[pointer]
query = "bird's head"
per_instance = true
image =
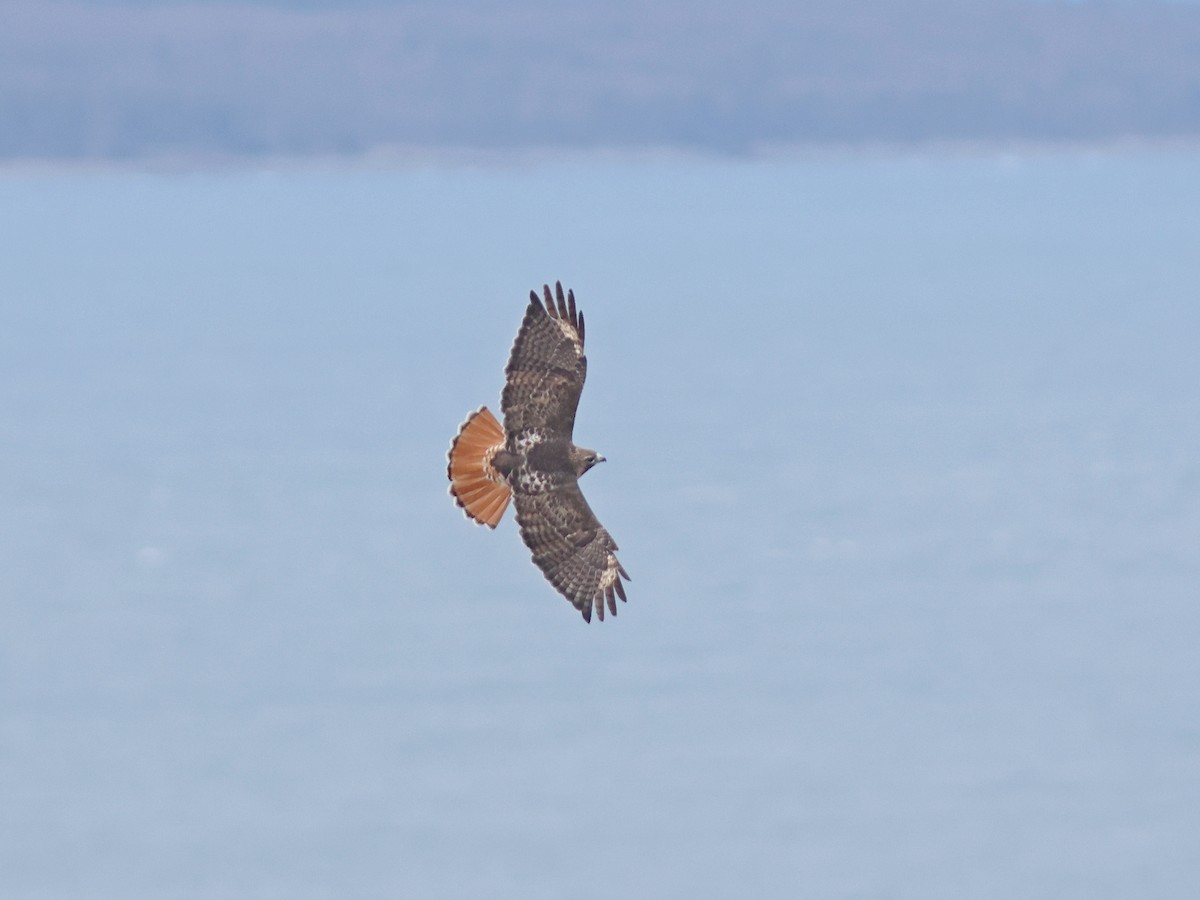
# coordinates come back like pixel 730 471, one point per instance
pixel 584 459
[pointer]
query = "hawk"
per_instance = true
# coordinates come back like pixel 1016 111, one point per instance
pixel 533 460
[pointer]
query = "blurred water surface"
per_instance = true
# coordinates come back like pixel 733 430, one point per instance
pixel 902 460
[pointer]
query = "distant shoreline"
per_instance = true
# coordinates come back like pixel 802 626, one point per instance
pixel 418 158
pixel 189 85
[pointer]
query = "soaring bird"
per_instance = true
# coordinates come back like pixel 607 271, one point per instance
pixel 533 460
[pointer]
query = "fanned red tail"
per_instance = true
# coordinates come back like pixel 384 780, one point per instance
pixel 475 484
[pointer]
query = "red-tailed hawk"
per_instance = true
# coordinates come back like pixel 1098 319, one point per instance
pixel 533 459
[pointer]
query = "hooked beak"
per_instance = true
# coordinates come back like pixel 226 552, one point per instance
pixel 600 458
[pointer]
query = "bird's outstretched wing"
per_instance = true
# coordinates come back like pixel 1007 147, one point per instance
pixel 574 551
pixel 547 368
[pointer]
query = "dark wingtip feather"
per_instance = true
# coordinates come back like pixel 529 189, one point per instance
pixel 620 590
pixel 562 303
pixel 549 301
pixel 579 328
pixel 571 309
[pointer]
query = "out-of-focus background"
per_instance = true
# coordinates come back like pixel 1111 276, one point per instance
pixel 163 80
pixel 892 316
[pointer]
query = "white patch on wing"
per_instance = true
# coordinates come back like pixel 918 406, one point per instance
pixel 572 335
pixel 609 577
